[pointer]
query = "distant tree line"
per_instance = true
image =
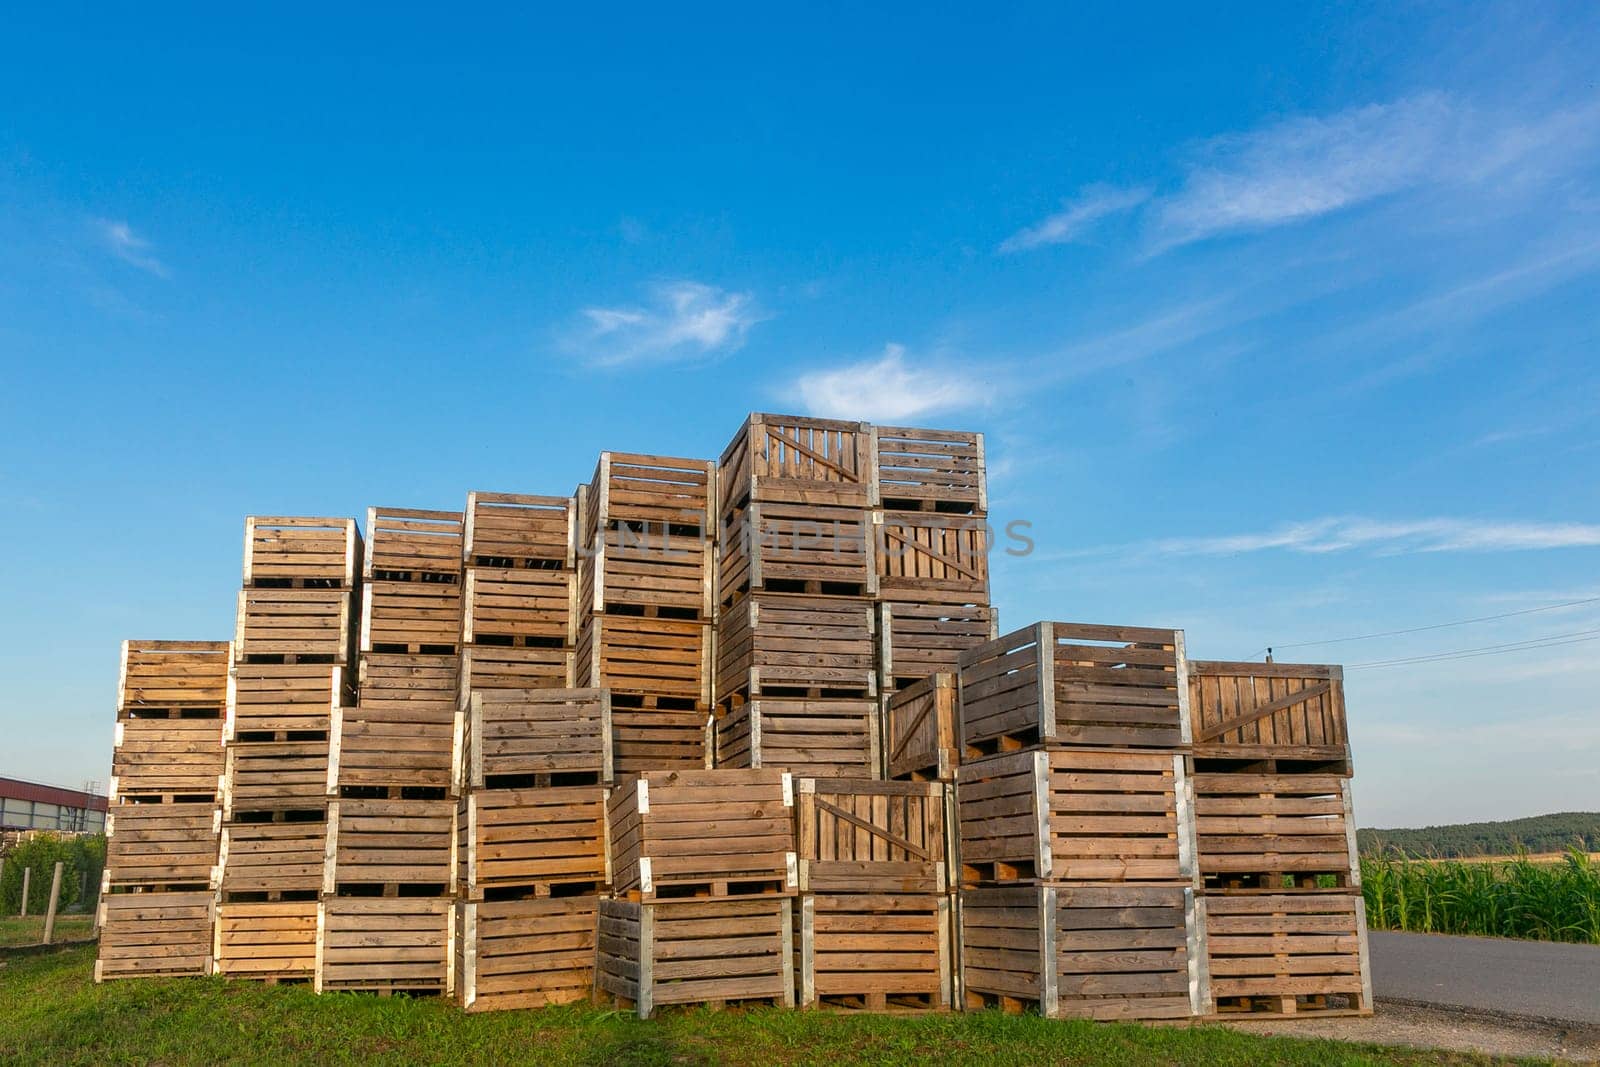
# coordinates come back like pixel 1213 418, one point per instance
pixel 1539 833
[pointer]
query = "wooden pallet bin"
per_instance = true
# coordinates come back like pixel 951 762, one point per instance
pixel 273 941
pixel 1076 815
pixel 526 953
pixel 1264 831
pixel 666 660
pixel 293 626
pixel 299 552
pixel 875 951
pixel 696 952
pixel 406 731
pixel 386 945
pixel 276 700
pixel 167 759
pixel 390 846
pixel 796 548
pixel 652 739
pixel 926 558
pixel 1072 683
pixel 1269 711
pixel 930 470
pixel 410 617
pixel 492 667
pixel 539 737
pixel 154 935
pixel 177 676
pixel 776 645
pixel 414 545
pixel 531 842
pixel 918 640
pixel 1083 952
pixel 788 458
pixel 639 490
pixel 861 836
pixel 920 733
pixel 819 738
pixel 648 569
pixel 275 776
pixel 273 860
pixel 1288 954
pixel 519 607
pixel 162 845
pixel 702 833
pixel 515 530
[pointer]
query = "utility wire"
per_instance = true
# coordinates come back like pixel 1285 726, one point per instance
pixel 1550 641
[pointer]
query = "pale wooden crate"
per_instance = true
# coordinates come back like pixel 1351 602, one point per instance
pixel 301 552
pixel 702 833
pixel 405 733
pixel 272 941
pixel 414 545
pixel 696 952
pixel 1075 684
pixel 783 645
pixel 171 759
pixel 526 736
pixel 519 530
pixel 160 845
pixel 293 626
pixel 793 459
pixel 666 661
pixel 796 548
pixel 931 558
pixel 525 953
pixel 513 607
pixel 1285 712
pixel 272 859
pixel 494 667
pixel 531 842
pixel 876 951
pixel 642 490
pixel 824 737
pixel 386 945
pixel 1076 815
pixel 389 845
pixel 916 641
pixel 1082 952
pixel 930 470
pixel 410 617
pixel 1261 831
pixel 274 699
pixel 274 776
pixel 154 934
pixel 1287 953
pixel 178 675
pixel 862 836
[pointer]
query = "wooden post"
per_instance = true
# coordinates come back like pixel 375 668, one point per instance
pixel 27 875
pixel 55 895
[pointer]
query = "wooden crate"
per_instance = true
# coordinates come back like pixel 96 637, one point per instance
pixel 637 489
pixel 932 558
pixel 1098 685
pixel 821 738
pixel 386 945
pixel 271 940
pixel 1076 815
pixel 1259 831
pixel 702 833
pixel 787 458
pixel 280 859
pixel 1290 953
pixel 696 952
pixel 776 645
pixel 491 667
pixel 515 530
pixel 174 758
pixel 275 776
pixel 406 731
pixel 638 568
pixel 296 552
pixel 796 548
pixel 410 617
pixel 154 935
pixel 652 739
pixel 412 545
pixel 875 951
pixel 930 470
pixel 919 640
pixel 525 842
pixel 281 700
pixel 293 626
pixel 384 845
pixel 540 737
pixel 172 676
pixel 920 740
pixel 1269 711
pixel 1088 952
pixel 519 607
pixel 526 953
pixel 856 836
pixel 162 844
pixel 667 661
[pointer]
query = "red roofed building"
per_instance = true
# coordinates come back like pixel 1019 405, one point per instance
pixel 31 806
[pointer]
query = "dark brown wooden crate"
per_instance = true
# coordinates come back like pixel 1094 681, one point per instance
pixel 531 840
pixel 779 645
pixel 1261 830
pixel 376 844
pixel 270 940
pixel 875 951
pixel 1289 953
pixel 275 776
pixel 932 470
pixel 857 836
pixel 819 738
pixel 172 675
pixel 1278 711
pixel 406 747
pixel 162 844
pixel 916 641
pixel 516 734
pixel 519 607
pixel 301 552
pixel 789 458
pixel 796 548
pixel 931 558
pixel 517 530
pixel 526 953
pixel 920 733
pixel 413 545
pixel 155 935
pixel 386 945
pixel 653 739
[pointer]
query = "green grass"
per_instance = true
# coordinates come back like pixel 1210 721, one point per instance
pixel 30 931
pixel 51 1012
pixel 1518 898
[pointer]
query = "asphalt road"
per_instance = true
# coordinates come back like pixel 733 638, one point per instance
pixel 1546 981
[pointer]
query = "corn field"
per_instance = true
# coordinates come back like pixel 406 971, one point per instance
pixel 1515 898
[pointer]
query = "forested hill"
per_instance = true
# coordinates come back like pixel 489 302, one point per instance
pixel 1539 833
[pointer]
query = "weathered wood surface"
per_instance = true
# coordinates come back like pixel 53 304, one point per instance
pixel 778 645
pixel 172 674
pixel 518 733
pixel 410 616
pixel 496 667
pixel 519 607
pixel 275 776
pixel 406 732
pixel 272 698
pixel 1289 953
pixel 815 737
pixel 932 558
pixel 301 552
pixel 390 843
pixel 875 951
pixel 788 458
pixel 533 839
pixel 1268 710
pixel 272 858
pixel 858 836
pixel 796 548
pixel 933 470
pixel 665 659
pixel 308 625
pixel 919 640
pixel 1255 830
pixel 155 935
pixel 920 732
pixel 519 530
pixel 176 759
pixel 267 940
pixel 526 953
pixel 656 739
pixel 629 488
pixel 162 844
pixel 386 945
pixel 414 545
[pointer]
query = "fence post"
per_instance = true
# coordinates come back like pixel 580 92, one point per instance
pixel 50 913
pixel 27 874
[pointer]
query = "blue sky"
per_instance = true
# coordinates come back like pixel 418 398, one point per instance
pixel 1282 326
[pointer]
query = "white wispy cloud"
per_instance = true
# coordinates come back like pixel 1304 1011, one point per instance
pixel 683 320
pixel 130 247
pixel 1076 217
pixel 891 388
pixel 1390 537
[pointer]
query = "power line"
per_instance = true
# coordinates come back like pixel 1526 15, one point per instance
pixel 1550 641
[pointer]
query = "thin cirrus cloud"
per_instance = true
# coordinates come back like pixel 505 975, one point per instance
pixel 129 247
pixel 683 320
pixel 1077 217
pixel 1390 537
pixel 890 388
